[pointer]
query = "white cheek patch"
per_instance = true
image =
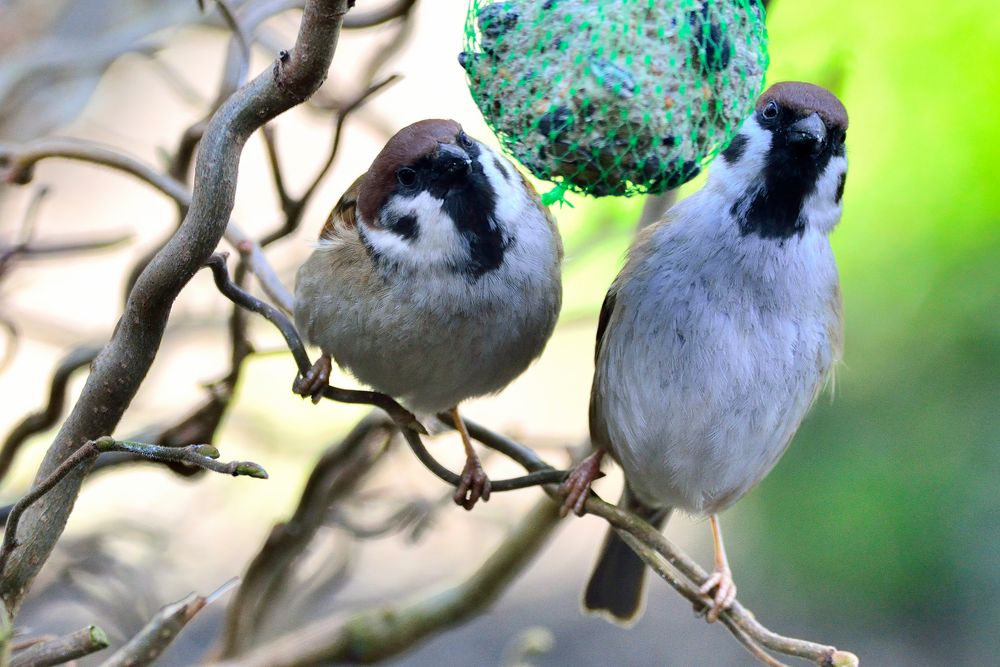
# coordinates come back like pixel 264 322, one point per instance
pixel 822 208
pixel 434 240
pixel 732 178
pixel 511 196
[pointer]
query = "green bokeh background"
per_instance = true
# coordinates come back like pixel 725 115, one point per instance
pixel 885 513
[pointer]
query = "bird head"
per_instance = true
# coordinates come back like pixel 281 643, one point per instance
pixel 436 198
pixel 785 170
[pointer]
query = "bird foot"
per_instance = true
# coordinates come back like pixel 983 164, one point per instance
pixel 474 484
pixel 576 486
pixel 315 381
pixel 721 580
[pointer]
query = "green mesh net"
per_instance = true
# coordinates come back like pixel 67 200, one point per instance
pixel 618 97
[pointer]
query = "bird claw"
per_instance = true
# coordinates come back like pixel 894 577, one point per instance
pixel 473 485
pixel 576 486
pixel 315 381
pixel 725 593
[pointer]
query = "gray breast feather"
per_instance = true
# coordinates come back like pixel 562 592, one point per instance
pixel 431 339
pixel 709 360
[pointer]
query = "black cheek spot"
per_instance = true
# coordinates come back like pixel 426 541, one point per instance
pixel 840 186
pixel 407 227
pixel 736 148
pixel 498 163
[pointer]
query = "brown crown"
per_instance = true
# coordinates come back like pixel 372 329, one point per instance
pixel 804 98
pixel 421 139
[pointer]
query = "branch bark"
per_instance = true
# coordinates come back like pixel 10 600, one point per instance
pixel 62 649
pixel 122 366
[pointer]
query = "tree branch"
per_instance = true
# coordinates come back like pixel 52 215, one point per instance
pixel 121 367
pixel 399 414
pixel 62 649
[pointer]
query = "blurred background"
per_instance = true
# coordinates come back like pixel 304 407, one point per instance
pixel 879 531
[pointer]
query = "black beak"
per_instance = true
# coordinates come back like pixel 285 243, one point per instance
pixel 808 131
pixel 452 160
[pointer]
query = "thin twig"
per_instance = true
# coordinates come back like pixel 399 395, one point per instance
pixel 242 38
pixel 399 414
pixel 396 10
pixel 203 456
pixel 285 200
pixel 294 208
pixel 62 649
pixel 21 159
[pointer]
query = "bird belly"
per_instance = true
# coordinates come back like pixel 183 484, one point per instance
pixel 432 343
pixel 696 417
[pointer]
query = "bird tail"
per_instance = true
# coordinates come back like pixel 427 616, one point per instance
pixel 616 585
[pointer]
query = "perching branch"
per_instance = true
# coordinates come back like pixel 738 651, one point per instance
pixel 62 649
pixel 543 474
pixel 637 531
pixel 121 367
pixel 399 414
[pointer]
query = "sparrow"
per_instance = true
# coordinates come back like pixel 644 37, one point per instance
pixel 436 279
pixel 718 334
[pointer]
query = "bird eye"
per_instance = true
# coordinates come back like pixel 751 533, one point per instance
pixel 406 176
pixel 770 111
pixel 464 140
pixel 843 137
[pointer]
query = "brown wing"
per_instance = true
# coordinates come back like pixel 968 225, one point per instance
pixel 345 214
pixel 598 430
pixel 602 320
